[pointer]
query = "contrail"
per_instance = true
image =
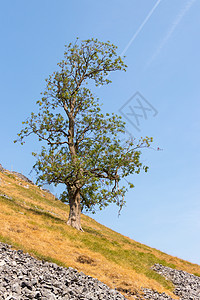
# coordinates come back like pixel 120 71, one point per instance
pixel 140 28
pixel 173 27
pixel 138 31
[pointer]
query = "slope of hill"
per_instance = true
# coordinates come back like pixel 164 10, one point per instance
pixel 34 221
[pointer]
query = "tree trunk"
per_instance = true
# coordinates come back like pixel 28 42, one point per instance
pixel 74 219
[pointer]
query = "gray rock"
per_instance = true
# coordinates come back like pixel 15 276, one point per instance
pixel 187 286
pixel 21 176
pixel 1 168
pixel 6 196
pixel 24 277
pixel 150 294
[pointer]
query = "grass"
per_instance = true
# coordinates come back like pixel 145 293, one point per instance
pixel 36 223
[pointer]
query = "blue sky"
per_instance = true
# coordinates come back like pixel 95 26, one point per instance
pixel 161 43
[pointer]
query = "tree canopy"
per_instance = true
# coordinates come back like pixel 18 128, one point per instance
pixel 82 148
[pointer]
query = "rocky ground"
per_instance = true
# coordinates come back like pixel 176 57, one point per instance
pixel 24 277
pixel 187 286
pixel 19 175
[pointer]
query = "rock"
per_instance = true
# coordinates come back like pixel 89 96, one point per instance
pixel 6 196
pixel 24 277
pixel 150 294
pixel 2 263
pixel 187 286
pixel 1 168
pixel 21 176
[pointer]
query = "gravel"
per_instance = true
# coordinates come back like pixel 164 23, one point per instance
pixel 187 286
pixel 24 277
pixel 150 294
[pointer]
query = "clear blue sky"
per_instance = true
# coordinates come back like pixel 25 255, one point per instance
pixel 162 45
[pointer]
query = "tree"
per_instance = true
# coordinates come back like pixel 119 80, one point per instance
pixel 81 149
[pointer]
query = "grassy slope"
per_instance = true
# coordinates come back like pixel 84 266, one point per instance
pixel 36 223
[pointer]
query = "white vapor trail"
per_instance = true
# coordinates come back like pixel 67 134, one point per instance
pixel 140 28
pixel 172 28
pixel 138 31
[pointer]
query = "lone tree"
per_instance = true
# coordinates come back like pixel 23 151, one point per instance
pixel 82 149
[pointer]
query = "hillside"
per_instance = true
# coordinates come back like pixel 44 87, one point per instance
pixel 34 221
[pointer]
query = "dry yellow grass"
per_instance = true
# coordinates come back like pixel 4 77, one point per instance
pixel 35 222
